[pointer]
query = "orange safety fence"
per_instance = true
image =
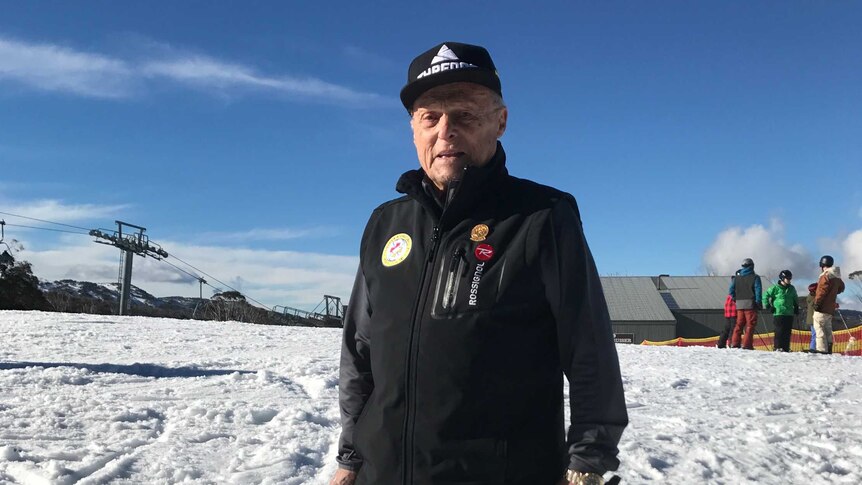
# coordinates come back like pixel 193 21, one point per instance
pixel 847 342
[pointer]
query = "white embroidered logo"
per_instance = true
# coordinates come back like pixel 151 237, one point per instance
pixel 474 285
pixel 444 54
pixel 445 60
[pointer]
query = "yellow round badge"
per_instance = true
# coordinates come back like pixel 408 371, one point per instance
pixel 396 250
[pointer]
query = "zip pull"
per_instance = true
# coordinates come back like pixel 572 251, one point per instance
pixel 435 238
pixel 451 192
pixel 452 278
pixel 456 255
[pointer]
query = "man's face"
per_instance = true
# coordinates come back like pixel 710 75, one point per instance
pixel 454 126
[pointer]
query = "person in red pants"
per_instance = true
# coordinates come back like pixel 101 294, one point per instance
pixel 730 315
pixel 747 291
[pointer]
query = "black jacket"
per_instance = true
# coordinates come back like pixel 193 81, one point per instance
pixel 453 359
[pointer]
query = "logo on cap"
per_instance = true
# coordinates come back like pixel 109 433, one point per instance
pixel 396 250
pixel 445 60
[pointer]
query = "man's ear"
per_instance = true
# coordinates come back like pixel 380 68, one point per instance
pixel 504 117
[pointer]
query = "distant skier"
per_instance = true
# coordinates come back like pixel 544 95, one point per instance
pixel 809 316
pixel 825 302
pixel 781 298
pixel 746 291
pixel 730 315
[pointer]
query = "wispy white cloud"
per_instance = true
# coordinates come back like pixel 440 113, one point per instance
pixel 280 234
pixel 771 254
pixel 207 73
pixel 58 211
pixel 765 245
pixel 50 67
pixel 287 278
pixel 852 252
pixel 851 262
pixel 368 60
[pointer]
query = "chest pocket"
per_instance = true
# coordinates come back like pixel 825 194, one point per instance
pixel 467 279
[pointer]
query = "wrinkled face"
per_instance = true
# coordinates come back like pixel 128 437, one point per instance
pixel 454 126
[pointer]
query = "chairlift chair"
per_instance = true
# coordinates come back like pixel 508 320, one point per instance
pixel 6 257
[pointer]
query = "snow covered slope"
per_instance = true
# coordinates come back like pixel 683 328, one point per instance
pixel 102 399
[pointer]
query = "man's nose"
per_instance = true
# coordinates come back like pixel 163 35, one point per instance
pixel 445 128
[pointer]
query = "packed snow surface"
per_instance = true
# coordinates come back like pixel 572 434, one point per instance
pixel 93 399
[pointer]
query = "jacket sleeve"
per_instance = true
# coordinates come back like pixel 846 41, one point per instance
pixel 758 288
pixel 822 290
pixel 355 380
pixel 585 338
pixel 767 296
pixel 732 290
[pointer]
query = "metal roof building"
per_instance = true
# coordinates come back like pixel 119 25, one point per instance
pixel 665 307
pixel 637 309
pixel 693 292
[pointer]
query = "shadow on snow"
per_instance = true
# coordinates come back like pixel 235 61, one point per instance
pixel 136 369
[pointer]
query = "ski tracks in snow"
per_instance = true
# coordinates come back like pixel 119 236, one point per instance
pixel 215 403
pixel 740 416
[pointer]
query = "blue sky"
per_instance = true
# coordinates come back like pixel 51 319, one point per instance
pixel 253 139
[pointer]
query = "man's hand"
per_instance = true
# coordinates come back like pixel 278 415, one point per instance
pixel 343 477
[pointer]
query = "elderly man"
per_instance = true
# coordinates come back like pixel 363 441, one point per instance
pixel 476 293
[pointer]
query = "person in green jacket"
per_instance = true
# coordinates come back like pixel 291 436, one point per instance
pixel 781 298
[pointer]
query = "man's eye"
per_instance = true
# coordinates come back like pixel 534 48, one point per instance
pixel 467 117
pixel 429 118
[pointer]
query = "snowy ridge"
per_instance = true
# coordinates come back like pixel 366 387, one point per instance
pixel 108 294
pixel 104 399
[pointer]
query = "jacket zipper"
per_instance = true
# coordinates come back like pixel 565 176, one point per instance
pixel 409 381
pixel 409 385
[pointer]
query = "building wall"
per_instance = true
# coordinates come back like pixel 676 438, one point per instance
pixel 694 324
pixel 699 323
pixel 709 323
pixel 653 331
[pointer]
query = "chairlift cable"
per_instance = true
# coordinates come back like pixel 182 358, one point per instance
pixel 43 220
pixel 173 255
pixel 49 229
pixel 88 233
pixel 196 277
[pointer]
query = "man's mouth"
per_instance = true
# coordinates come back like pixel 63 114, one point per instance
pixel 449 154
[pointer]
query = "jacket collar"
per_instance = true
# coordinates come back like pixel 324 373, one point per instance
pixel 475 184
pixel 831 273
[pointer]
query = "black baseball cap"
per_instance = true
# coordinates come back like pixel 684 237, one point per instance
pixel 449 62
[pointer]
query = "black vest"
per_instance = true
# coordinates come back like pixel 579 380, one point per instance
pixel 745 287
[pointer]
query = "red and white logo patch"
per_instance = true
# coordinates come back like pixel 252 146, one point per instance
pixel 484 252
